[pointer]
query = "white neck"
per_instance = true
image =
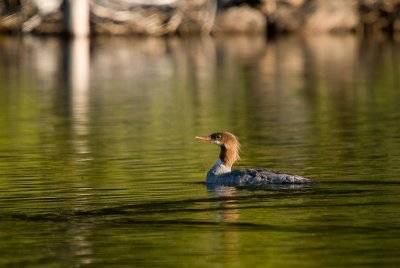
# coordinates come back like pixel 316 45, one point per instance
pixel 218 168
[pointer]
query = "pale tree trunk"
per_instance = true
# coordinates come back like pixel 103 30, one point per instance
pixel 77 17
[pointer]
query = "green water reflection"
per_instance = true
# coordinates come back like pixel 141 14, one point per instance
pixel 99 167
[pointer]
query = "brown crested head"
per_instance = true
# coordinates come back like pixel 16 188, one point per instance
pixel 228 143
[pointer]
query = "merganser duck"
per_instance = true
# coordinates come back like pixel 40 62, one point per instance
pixel 221 174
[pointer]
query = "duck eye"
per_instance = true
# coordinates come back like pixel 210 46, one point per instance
pixel 219 136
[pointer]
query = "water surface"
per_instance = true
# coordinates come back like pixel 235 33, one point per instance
pixel 99 166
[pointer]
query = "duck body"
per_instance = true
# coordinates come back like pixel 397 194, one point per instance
pixel 221 173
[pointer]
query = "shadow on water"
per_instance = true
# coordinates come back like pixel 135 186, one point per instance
pixel 221 199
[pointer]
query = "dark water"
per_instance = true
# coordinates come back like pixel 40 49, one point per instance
pixel 99 166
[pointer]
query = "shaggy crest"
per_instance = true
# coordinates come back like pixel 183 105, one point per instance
pixel 229 145
pixel 230 148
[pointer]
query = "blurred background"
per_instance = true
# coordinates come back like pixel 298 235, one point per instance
pixel 166 17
